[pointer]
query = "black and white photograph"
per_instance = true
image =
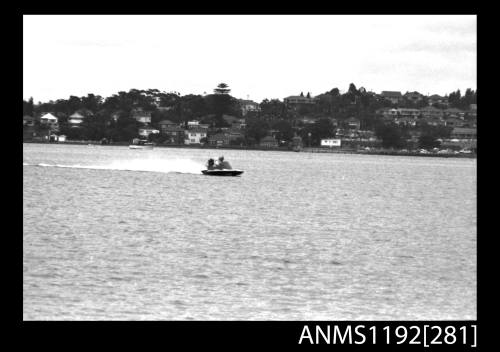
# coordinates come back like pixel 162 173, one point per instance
pixel 225 167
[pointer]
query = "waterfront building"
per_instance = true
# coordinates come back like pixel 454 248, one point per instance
pixel 235 134
pixel 195 135
pixel 296 142
pixel 331 142
pixel 268 142
pixel 174 133
pixel 219 139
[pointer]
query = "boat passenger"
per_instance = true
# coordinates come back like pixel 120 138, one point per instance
pixel 222 164
pixel 210 164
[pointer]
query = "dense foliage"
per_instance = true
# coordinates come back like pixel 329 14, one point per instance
pixel 112 117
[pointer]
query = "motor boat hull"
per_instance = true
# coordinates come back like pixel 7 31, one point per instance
pixel 223 172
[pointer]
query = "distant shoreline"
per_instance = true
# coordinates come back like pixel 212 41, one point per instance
pixel 276 149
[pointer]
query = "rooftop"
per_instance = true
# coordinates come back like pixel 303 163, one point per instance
pixel 391 94
pixel 166 122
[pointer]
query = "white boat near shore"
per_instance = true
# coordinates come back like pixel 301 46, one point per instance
pixel 144 146
pixel 141 144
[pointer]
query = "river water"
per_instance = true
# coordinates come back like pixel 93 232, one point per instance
pixel 111 233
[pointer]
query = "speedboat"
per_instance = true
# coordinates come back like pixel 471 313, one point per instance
pixel 223 172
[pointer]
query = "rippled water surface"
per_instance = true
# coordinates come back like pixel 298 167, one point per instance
pixel 113 233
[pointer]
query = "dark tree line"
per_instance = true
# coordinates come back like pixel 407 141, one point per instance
pixel 111 117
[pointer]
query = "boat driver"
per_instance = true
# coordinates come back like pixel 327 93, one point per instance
pixel 222 164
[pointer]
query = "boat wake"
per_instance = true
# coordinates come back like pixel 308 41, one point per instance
pixel 182 166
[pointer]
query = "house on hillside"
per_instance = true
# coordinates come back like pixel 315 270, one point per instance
pixel 387 113
pixel 431 121
pixel 165 124
pixel 76 119
pixel 235 134
pixel 50 120
pixel 297 100
pixel 437 99
pixel 394 97
pixel 353 123
pixel 141 116
pixel 306 120
pixel 454 122
pixel 146 131
pixel 196 124
pixel 431 111
pixel 454 113
pixel 406 121
pixel 334 121
pixel 412 113
pixel 248 105
pixel 414 97
pixel 28 121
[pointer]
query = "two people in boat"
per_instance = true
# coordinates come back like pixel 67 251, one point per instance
pixel 219 165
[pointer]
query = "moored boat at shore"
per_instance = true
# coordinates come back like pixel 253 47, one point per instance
pixel 141 144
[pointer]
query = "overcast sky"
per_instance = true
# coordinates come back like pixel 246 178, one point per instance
pixel 257 56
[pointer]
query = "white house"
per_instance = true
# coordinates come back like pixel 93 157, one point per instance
pixel 195 135
pixel 76 119
pixel 330 142
pixel 48 119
